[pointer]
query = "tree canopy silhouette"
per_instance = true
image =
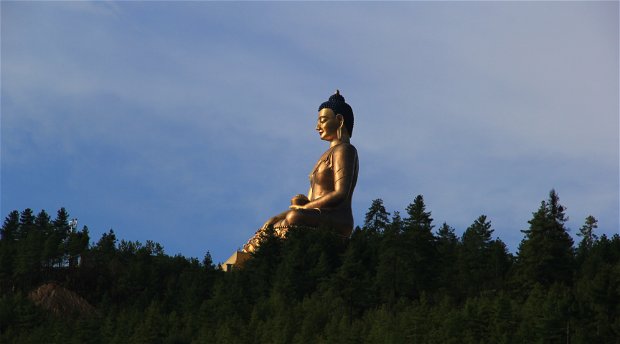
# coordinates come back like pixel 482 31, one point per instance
pixel 394 280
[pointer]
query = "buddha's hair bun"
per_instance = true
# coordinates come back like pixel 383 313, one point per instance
pixel 337 104
pixel 336 97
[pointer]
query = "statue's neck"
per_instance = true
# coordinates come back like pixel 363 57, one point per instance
pixel 336 142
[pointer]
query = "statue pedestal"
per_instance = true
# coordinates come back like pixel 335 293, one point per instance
pixel 235 261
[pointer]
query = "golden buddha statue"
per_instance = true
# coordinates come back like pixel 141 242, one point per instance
pixel 332 180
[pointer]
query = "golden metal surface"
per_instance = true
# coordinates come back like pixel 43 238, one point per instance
pixel 332 181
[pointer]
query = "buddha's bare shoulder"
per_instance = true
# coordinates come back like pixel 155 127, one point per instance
pixel 345 149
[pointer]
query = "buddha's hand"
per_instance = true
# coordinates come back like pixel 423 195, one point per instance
pixel 296 206
pixel 299 200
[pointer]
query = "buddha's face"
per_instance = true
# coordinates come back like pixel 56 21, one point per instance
pixel 327 124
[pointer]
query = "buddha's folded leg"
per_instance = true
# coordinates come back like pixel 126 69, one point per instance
pixel 303 218
pixel 285 221
pixel 280 228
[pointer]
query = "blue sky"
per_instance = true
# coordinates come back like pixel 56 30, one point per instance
pixel 191 123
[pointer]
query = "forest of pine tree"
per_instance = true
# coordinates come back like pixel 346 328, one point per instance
pixel 396 280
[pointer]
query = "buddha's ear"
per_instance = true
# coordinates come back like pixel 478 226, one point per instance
pixel 340 119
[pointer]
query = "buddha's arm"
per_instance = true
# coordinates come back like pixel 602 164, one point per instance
pixel 344 166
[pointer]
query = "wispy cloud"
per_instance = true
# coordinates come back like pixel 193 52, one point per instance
pixel 195 120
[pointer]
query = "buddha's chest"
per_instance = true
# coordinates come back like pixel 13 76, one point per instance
pixel 322 177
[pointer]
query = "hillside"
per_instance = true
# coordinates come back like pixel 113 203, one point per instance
pixel 395 280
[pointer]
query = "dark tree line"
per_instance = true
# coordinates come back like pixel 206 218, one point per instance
pixel 396 280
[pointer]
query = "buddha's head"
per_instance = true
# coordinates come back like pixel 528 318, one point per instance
pixel 335 113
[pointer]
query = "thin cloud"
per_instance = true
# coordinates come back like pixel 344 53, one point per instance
pixel 196 119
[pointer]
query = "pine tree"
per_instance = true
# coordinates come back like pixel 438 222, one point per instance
pixel 546 253
pixel 475 257
pixel 10 226
pixel 29 246
pixel 77 243
pixel 597 292
pixel 43 222
pixel 446 234
pixel 420 248
pixel 207 262
pixel 61 223
pixel 377 218
pixel 586 232
pixel 8 246
pixel 397 225
pixel 418 218
pixel 352 282
pixel 44 226
pixel 26 223
pixel 499 264
pixel 107 244
pixel 447 251
pixel 150 327
pixel 265 261
pixel 61 234
pixel 478 235
pixel 390 280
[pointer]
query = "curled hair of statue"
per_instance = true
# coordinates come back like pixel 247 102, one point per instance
pixel 337 104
